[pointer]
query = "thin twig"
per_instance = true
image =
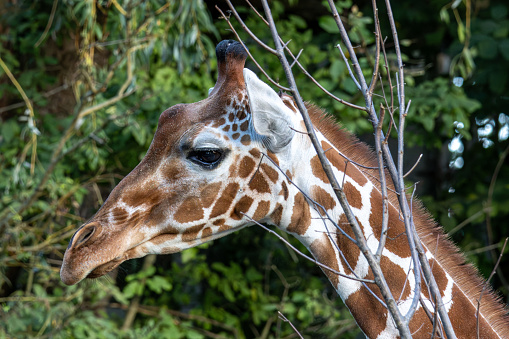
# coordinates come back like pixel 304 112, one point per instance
pixel 306 256
pixel 359 236
pixel 413 167
pixel 467 221
pixel 352 76
pixel 377 48
pixel 275 83
pixel 48 25
pixel 289 322
pixel 383 185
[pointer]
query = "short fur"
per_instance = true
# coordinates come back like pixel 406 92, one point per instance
pixel 446 253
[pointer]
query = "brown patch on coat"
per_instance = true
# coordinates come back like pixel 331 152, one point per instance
pixel 323 198
pixel 339 162
pixel 420 325
pixel 289 174
pixel 170 233
pixel 119 215
pixel 219 222
pixel 158 214
pixel 277 214
pixel 350 251
pixel 241 114
pixel 255 153
pixel 209 193
pixel 301 216
pixel 440 276
pixel 246 167
pixel 273 157
pixel 225 200
pixel 244 126
pixel 259 184
pixel 463 318
pixel 172 171
pixel 235 127
pixel 206 233
pixel 317 169
pixel 223 228
pixel 219 122
pixel 147 195
pixel 191 233
pixel 395 277
pixel 245 140
pixel 369 313
pixel 397 241
pixel 261 210
pixel 270 172
pixel 284 190
pixel 353 196
pixel 324 253
pixel 235 136
pixel 191 209
pixel 226 128
pixel 241 207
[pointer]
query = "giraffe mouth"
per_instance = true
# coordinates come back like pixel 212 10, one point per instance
pixel 137 251
pixel 110 265
pixel 143 249
pixel 105 268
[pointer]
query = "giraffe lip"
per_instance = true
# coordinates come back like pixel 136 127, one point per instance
pixel 105 268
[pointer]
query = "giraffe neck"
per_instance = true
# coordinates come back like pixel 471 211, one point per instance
pixel 311 213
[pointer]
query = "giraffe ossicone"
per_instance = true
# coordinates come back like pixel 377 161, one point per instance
pixel 235 158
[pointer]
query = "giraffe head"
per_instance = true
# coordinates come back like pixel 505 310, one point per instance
pixel 204 171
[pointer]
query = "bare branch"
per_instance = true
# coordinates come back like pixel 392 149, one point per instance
pixel 383 185
pixel 245 28
pixel 245 48
pixel 303 69
pixel 289 322
pixel 375 267
pixel 413 167
pixel 306 256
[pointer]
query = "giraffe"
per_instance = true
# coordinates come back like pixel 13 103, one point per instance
pixel 237 158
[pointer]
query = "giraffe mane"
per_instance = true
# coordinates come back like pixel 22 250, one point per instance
pixel 446 253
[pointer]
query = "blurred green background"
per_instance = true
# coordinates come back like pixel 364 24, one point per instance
pixel 82 84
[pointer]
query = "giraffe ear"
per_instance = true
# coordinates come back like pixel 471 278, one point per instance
pixel 271 117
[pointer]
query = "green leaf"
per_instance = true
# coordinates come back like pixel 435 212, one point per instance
pixel 444 15
pixel 9 130
pixel 461 32
pixel 158 284
pixel 328 24
pixel 39 291
pixel 337 69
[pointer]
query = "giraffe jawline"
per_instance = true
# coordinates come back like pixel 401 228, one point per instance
pixel 105 268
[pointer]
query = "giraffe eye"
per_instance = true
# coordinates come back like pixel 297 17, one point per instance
pixel 208 158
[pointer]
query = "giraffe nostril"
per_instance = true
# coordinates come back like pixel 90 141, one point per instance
pixel 84 235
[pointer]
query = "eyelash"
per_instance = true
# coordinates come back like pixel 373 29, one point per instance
pixel 208 158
